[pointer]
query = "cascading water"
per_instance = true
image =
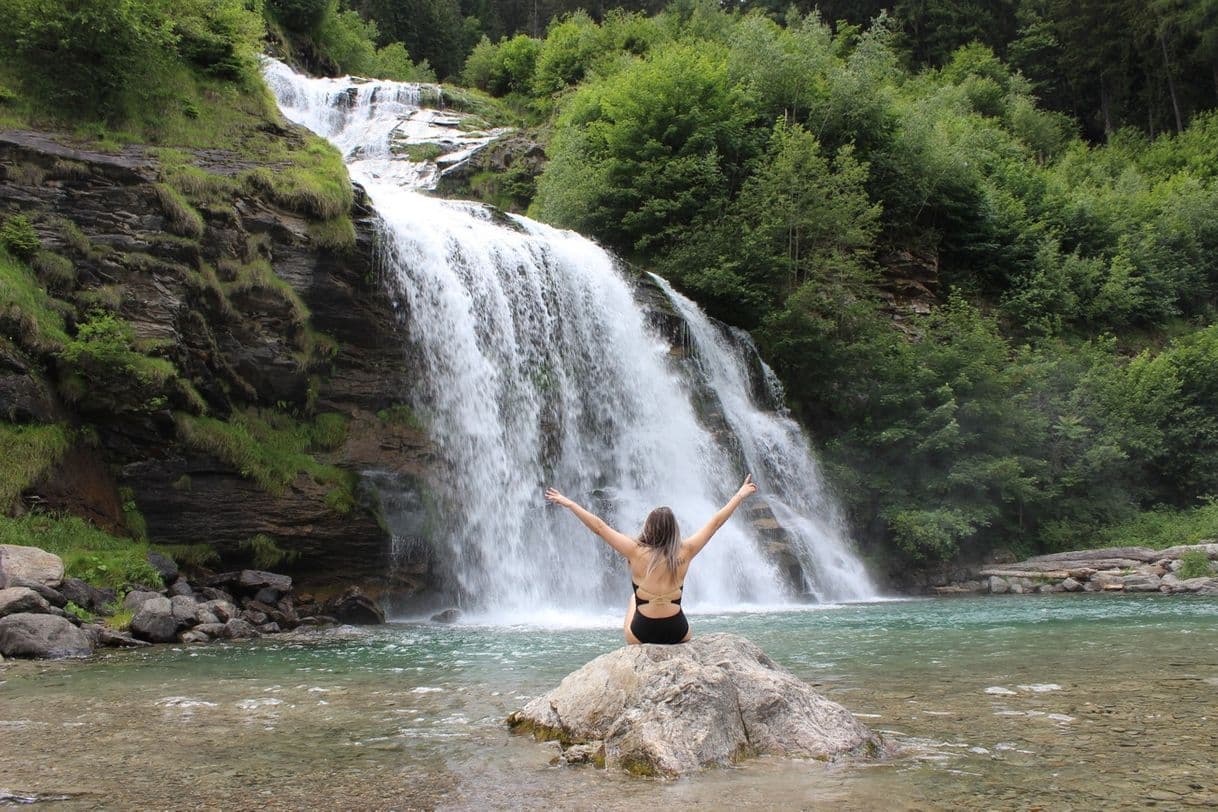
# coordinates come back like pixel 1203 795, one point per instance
pixel 539 368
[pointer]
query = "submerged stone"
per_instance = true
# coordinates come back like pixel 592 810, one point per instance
pixel 668 710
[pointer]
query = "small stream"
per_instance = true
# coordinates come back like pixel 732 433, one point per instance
pixel 1047 702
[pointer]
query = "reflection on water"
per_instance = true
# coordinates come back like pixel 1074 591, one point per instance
pixel 1055 702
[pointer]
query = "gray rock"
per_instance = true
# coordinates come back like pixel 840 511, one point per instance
pixel 237 629
pixel 268 595
pixel 255 617
pixel 154 621
pixel 1071 585
pixel 206 616
pixel 180 587
pixel 193 636
pixel 668 710
pixel 31 564
pixel 51 596
pixel 269 628
pixel 30 635
pixel 1210 587
pixel 447 616
pixel 222 609
pixel 210 629
pixel 211 593
pixel 353 606
pixel 105 636
pixel 998 585
pixel 87 596
pixel 254 580
pixel 1141 583
pixel 184 610
pixel 1016 588
pixel 167 569
pixel 135 600
pixel 17 599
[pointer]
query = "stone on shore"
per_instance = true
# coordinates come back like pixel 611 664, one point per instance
pixel 46 636
pixel 354 607
pixel 18 599
pixel 31 564
pixel 154 621
pixel 669 710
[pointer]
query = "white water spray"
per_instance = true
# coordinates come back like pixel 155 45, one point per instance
pixel 538 368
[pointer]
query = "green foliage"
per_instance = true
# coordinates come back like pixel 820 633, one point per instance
pixel 507 67
pixel 18 236
pixel 78 612
pixel 268 447
pixel 113 373
pixel 303 16
pixel 640 155
pixel 29 452
pixel 28 316
pixel 265 553
pixel 1195 564
pixel 120 619
pixel 195 556
pixel 88 553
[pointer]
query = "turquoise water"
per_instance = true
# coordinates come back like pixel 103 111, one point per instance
pixel 1052 702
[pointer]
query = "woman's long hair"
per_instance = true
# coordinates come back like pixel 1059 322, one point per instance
pixel 661 534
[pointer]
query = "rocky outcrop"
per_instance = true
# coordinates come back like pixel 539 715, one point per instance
pixel 1112 569
pixel 503 173
pixel 669 710
pixel 111 242
pixel 44 636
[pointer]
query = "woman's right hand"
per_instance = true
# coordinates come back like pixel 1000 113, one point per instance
pixel 557 498
pixel 748 488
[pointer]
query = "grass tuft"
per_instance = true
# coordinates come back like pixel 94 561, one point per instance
pixel 88 553
pixel 181 218
pixel 28 452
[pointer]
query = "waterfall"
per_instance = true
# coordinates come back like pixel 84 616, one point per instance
pixel 538 367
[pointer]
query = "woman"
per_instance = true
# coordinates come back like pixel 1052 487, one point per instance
pixel 658 560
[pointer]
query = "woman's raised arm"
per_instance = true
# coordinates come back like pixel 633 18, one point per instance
pixel 618 541
pixel 697 541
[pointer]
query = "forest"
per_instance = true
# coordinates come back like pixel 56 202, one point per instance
pixel 976 241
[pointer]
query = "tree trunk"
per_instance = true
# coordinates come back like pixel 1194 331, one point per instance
pixel 1171 84
pixel 1105 106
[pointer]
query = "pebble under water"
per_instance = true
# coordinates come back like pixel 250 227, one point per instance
pixel 1048 702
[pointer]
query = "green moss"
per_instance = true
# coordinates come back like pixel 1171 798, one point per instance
pixel 120 620
pixel 198 185
pixel 78 612
pixel 265 553
pixel 337 234
pixel 102 297
pixel 181 218
pixel 267 447
pixel 27 314
pixel 190 555
pixel 28 452
pixel 57 273
pixel 422 152
pixel 132 517
pixel 87 553
pixel 401 415
pixel 636 765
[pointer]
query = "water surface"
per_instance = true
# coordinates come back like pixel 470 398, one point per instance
pixel 1049 702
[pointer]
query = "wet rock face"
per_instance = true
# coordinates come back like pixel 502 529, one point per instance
pixel 668 710
pixel 238 346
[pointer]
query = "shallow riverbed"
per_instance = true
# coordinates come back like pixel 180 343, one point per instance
pixel 1053 702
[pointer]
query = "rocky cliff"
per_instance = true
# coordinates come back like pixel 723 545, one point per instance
pixel 228 367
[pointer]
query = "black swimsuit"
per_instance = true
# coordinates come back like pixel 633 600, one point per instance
pixel 664 630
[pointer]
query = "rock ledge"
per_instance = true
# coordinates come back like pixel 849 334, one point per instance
pixel 668 710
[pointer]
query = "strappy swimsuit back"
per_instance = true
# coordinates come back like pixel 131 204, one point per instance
pixel 663 630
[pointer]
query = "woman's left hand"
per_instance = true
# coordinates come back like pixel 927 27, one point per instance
pixel 557 498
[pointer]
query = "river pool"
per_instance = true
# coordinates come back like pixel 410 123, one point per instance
pixel 1047 702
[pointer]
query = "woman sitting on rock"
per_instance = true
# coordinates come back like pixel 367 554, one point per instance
pixel 658 560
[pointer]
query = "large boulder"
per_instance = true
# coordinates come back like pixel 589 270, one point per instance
pixel 30 635
pixel 154 621
pixel 668 710
pixel 354 607
pixel 17 599
pixel 29 563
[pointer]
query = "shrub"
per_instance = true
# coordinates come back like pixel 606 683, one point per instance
pixel 19 237
pixel 1194 564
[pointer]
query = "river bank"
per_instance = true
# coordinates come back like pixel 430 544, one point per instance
pixel 1174 570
